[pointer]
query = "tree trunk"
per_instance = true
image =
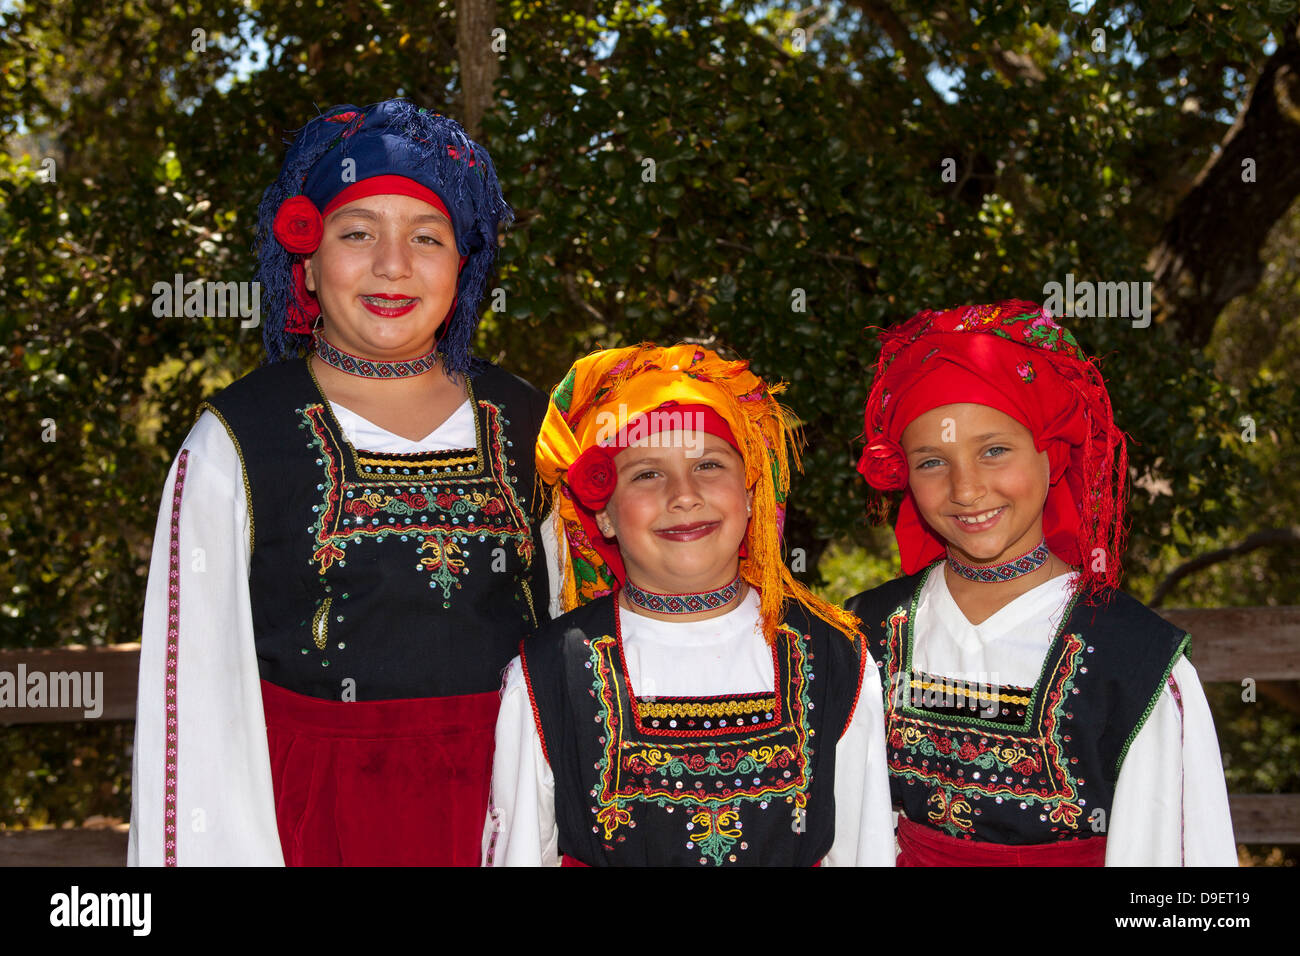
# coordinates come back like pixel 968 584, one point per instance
pixel 478 61
pixel 1208 253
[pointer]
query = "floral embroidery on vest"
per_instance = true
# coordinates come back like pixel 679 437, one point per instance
pixel 438 501
pixel 740 754
pixel 958 756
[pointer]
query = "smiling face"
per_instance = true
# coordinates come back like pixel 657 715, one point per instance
pixel 385 275
pixel 983 488
pixel 679 511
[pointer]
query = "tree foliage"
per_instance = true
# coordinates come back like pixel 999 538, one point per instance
pixel 764 177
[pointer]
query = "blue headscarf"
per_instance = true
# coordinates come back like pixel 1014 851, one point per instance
pixel 389 138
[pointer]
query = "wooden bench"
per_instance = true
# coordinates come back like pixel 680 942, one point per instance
pixel 1229 645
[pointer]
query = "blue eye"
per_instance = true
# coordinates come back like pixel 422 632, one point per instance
pixel 929 462
pixel 999 448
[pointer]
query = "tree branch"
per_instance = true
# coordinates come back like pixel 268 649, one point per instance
pixel 1270 538
pixel 1208 253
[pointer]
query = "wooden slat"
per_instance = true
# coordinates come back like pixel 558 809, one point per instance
pixel 1233 643
pixel 1256 818
pixel 63 847
pixel 117 667
pixel 1265 818
pixel 1228 644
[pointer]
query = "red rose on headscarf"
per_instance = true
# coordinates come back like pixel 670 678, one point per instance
pixel 592 477
pixel 298 225
pixel 884 465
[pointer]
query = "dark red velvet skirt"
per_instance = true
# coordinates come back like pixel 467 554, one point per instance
pixel 380 783
pixel 922 846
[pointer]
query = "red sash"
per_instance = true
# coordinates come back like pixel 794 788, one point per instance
pixel 380 783
pixel 923 846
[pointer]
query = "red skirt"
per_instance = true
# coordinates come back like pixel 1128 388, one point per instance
pixel 380 783
pixel 922 846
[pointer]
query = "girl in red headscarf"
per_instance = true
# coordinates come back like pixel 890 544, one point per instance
pixel 1036 715
pixel 696 706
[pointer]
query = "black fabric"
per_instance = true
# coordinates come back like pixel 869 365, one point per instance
pixel 647 816
pixel 1049 777
pixel 419 574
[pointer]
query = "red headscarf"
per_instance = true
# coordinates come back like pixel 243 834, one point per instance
pixel 1014 357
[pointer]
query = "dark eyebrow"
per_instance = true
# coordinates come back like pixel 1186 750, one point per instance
pixel 930 449
pixel 638 462
pixel 435 217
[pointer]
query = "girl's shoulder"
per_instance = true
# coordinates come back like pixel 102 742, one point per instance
pixel 874 603
pixel 1115 619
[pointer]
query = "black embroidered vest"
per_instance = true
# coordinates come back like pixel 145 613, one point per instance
pixel 1018 765
pixel 380 576
pixel 744 780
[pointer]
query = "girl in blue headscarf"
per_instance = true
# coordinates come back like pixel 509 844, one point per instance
pixel 347 551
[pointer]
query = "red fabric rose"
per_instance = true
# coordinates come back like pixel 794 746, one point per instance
pixel 298 225
pixel 884 465
pixel 592 477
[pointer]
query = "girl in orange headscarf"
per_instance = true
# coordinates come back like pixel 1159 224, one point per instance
pixel 695 705
pixel 1036 714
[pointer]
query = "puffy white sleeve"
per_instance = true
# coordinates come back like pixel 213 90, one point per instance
pixel 1171 801
pixel 201 791
pixel 551 546
pixel 520 829
pixel 864 820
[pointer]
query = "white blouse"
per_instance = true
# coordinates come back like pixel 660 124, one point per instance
pixel 225 804
pixel 722 655
pixel 1171 801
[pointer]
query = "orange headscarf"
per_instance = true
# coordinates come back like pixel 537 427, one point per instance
pixel 627 382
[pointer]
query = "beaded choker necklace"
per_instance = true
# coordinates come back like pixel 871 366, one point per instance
pixel 993 573
pixel 368 368
pixel 692 603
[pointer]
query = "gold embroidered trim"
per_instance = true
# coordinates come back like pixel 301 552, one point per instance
pixel 725 708
pixel 957 689
pixel 528 594
pixel 320 624
pixel 417 462
pixel 243 469
pixel 478 462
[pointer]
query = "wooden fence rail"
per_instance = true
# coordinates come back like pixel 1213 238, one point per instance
pixel 1229 645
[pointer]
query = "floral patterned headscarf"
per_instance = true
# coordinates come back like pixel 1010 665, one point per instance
pixel 623 384
pixel 1012 356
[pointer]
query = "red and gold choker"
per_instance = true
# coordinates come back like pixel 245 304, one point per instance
pixel 369 368
pixel 690 603
pixel 993 573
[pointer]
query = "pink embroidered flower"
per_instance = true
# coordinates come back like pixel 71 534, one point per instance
pixel 1044 319
pixel 298 225
pixel 592 477
pixel 1026 372
pixel 884 465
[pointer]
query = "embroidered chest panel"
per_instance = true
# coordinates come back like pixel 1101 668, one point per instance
pixel 702 770
pixel 456 511
pixel 970 758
